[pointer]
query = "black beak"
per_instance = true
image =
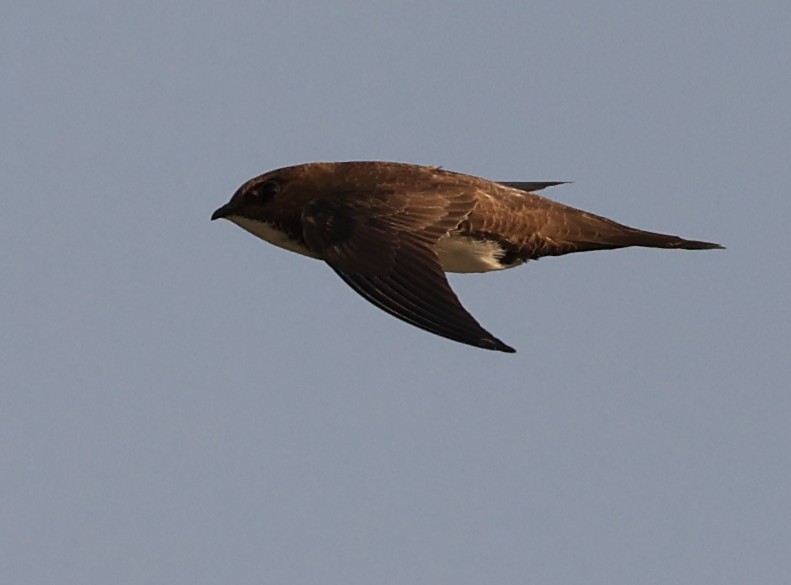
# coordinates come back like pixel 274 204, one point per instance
pixel 223 211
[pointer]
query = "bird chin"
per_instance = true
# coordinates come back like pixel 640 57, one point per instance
pixel 266 231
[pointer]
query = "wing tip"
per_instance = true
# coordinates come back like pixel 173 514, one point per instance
pixel 700 245
pixel 532 186
pixel 495 344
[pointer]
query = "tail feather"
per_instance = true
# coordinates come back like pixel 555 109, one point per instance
pixel 635 237
pixel 564 230
pixel 594 232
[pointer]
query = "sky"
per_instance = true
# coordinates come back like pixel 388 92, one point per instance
pixel 181 402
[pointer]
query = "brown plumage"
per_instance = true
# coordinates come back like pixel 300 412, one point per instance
pixel 391 231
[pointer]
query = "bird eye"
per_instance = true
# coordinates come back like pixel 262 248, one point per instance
pixel 267 190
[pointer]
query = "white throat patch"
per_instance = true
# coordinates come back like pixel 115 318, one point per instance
pixel 267 232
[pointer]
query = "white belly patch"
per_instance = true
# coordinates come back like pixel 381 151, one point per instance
pixel 456 253
pixel 463 254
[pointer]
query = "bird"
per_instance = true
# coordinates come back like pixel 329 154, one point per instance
pixel 392 230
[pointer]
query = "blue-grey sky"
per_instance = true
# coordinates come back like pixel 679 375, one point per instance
pixel 183 403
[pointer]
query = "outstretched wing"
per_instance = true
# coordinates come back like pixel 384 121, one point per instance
pixel 530 187
pixel 383 249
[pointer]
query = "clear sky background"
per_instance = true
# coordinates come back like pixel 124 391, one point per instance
pixel 183 403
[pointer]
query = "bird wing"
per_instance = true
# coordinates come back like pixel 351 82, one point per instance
pixel 383 248
pixel 530 187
